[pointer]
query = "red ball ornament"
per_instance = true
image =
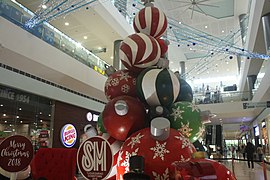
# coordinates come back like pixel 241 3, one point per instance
pixel 158 155
pixel 202 168
pixel 122 82
pixel 163 46
pixel 123 116
pixel 151 21
pixel 139 51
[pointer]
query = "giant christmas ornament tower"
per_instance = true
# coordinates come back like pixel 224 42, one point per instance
pixel 149 108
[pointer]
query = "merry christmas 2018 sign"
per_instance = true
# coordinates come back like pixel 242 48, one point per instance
pixel 16 153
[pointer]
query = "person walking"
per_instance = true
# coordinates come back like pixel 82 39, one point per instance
pixel 243 151
pixel 260 152
pixel 250 149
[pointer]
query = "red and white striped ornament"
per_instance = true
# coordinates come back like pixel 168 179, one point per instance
pixel 151 21
pixel 115 146
pixel 139 51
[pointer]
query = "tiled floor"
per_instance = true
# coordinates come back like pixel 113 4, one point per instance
pixel 242 172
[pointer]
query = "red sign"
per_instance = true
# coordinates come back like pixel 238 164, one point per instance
pixel 94 158
pixel 16 153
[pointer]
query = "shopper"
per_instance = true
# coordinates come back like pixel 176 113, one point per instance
pixel 250 149
pixel 243 151
pixel 260 152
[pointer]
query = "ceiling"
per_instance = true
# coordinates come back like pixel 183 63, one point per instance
pixel 216 20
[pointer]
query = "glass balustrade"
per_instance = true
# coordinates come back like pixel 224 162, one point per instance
pixel 19 15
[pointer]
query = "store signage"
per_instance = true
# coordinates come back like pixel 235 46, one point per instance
pixel 256 105
pixel 94 158
pixel 16 153
pixel 92 117
pixel 68 135
pixel 11 95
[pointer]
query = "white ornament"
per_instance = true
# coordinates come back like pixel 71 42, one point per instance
pixel 164 176
pixel 160 150
pixel 135 140
pixel 177 113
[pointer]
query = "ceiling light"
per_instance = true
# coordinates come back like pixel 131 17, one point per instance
pixel 99 48
pixel 262 66
pixel 85 37
pixel 227 62
pixel 41 120
pixel 220 119
pixel 10 125
pixel 49 115
pixel 44 6
pixel 67 23
pixel 205 27
pixel 222 31
pixel 1 105
pixel 111 57
pixel 4 115
pixel 20 109
pixel 5 121
pixel 17 117
pixel 180 22
pixel 20 121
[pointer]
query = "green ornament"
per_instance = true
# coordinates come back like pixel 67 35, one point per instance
pixel 185 117
pixel 100 126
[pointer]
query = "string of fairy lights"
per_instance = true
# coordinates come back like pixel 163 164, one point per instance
pixel 179 34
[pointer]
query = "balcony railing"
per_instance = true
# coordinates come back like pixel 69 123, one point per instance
pixel 19 15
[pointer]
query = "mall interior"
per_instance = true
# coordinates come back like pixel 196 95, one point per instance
pixel 61 63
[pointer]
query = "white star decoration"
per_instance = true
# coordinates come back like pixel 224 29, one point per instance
pixel 194 107
pixel 159 150
pixel 124 76
pixel 185 129
pixel 177 113
pixel 135 140
pixel 164 176
pixel 201 131
pixel 185 142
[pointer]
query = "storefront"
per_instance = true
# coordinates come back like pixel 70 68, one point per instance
pixel 25 114
pixel 41 119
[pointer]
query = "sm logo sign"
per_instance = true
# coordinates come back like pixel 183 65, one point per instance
pixel 95 158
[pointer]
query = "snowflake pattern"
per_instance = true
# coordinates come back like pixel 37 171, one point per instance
pixel 164 176
pixel 119 157
pixel 124 76
pixel 135 140
pixel 185 142
pixel 185 129
pixel 134 81
pixel 177 113
pixel 108 82
pixel 201 131
pixel 115 81
pixel 125 88
pixel 159 150
pixel 126 161
pixel 194 107
pixel 182 159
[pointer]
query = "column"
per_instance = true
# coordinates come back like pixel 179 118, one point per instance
pixel 183 69
pixel 251 81
pixel 243 21
pixel 266 31
pixel 116 60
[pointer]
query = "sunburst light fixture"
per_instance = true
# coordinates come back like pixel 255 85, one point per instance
pixel 192 5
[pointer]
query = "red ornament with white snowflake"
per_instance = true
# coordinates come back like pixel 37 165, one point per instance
pixel 122 82
pixel 158 155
